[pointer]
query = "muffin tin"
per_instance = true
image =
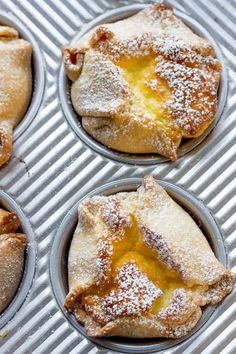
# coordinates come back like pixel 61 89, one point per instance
pixel 55 168
pixel 139 159
pixel 61 245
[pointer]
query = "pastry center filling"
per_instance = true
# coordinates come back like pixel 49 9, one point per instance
pixel 134 281
pixel 149 92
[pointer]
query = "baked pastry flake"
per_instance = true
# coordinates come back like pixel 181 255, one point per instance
pixel 15 85
pixel 144 83
pixel 140 267
pixel 12 249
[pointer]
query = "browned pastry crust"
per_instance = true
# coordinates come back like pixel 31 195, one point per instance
pixel 12 247
pixel 139 266
pixel 15 85
pixel 144 83
pixel 9 222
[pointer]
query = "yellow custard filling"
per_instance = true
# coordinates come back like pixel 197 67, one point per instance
pixel 129 249
pixel 149 92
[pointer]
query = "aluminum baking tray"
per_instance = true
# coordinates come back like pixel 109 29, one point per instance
pixel 52 169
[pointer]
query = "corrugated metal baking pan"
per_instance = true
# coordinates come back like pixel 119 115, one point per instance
pixel 52 168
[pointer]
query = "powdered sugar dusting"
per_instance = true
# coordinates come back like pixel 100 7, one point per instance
pixel 180 306
pixel 185 62
pixel 134 296
pixel 131 278
pixel 116 221
pixel 114 216
pixel 156 242
pixel 188 74
pixel 15 85
pixel 216 291
pixel 100 89
pixel 188 85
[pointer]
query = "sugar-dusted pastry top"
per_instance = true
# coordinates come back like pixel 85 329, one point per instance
pixel 139 266
pixel 15 85
pixel 12 248
pixel 144 83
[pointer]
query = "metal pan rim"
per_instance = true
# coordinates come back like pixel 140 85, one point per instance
pixel 38 83
pixel 29 264
pixel 180 195
pixel 74 120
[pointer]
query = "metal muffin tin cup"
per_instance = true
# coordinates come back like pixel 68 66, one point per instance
pixel 59 258
pixel 30 260
pixel 38 72
pixel 138 159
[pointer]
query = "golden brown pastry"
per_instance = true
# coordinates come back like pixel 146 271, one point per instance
pixel 12 248
pixel 9 222
pixel 140 267
pixel 144 83
pixel 15 85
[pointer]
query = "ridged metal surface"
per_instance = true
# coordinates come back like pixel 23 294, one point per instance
pixel 51 169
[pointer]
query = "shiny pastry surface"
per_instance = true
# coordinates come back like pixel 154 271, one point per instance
pixel 140 267
pixel 12 248
pixel 15 85
pixel 144 83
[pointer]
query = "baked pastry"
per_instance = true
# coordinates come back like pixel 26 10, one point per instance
pixel 9 222
pixel 15 85
pixel 144 83
pixel 140 267
pixel 12 248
